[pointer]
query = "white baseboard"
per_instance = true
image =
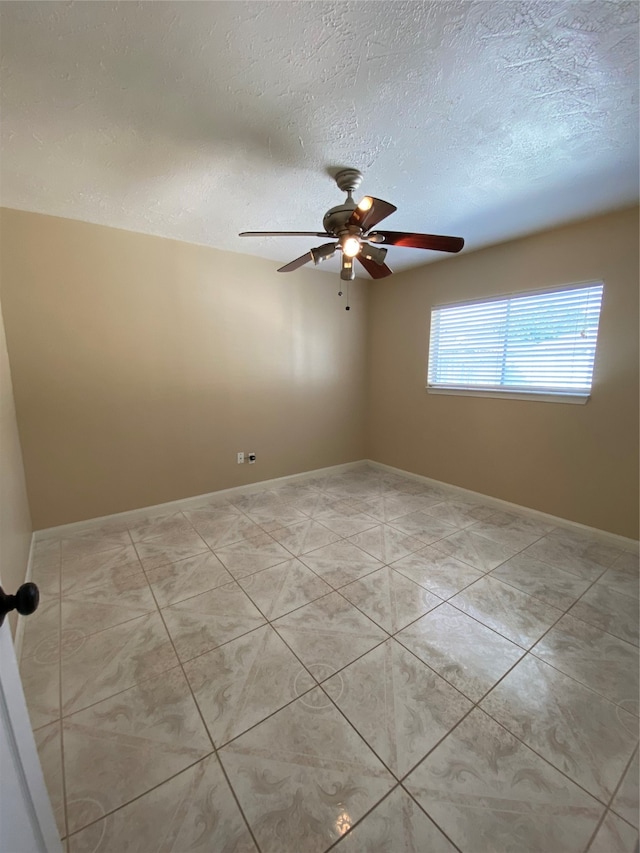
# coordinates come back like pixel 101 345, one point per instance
pixel 189 503
pixel 601 535
pixel 17 640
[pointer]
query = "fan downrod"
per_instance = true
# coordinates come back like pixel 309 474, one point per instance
pixel 348 180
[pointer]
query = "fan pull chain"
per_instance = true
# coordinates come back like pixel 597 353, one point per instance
pixel 347 308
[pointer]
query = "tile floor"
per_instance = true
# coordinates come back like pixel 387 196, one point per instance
pixel 359 662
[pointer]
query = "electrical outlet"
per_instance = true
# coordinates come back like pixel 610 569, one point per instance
pixel 240 458
pixel 251 457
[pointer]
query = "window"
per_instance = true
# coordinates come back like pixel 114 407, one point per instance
pixel 541 344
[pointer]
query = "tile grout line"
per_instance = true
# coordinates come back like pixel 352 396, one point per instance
pixel 120 624
pixel 124 691
pixel 563 613
pixel 542 757
pixel 382 628
pixel 138 796
pixel 117 692
pixel 397 779
pixel 296 698
pixel 424 811
pixel 206 728
pixel 235 580
pixel 533 595
pixel 521 551
pixel 318 685
pixel 608 808
pixel 334 589
pixel 361 820
pixel 87 589
pixel 495 631
pixel 577 601
pixel 485 575
pixel 433 592
pixel 331 700
pixel 530 652
pixel 476 704
pixel 348 583
pixel 577 680
pixel 271 713
pixel 62 761
pixel 354 826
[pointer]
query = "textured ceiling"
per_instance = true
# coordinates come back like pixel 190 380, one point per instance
pixel 196 120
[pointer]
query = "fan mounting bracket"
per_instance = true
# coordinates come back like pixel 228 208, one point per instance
pixel 348 180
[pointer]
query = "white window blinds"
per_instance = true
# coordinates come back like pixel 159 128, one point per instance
pixel 538 343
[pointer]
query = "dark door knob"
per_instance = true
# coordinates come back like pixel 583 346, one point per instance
pixel 25 601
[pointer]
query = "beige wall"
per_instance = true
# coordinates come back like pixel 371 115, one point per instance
pixel 142 365
pixel 576 462
pixel 15 522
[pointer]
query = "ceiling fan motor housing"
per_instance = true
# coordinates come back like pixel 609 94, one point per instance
pixel 334 221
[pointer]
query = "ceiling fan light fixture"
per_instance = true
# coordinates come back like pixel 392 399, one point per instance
pixel 365 204
pixel 347 272
pixel 374 253
pixel 321 253
pixel 351 246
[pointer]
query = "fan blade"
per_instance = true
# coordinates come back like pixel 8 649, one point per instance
pixel 283 234
pixel 436 242
pixel 375 270
pixel 299 262
pixel 378 211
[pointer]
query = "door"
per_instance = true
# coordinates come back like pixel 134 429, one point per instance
pixel 27 824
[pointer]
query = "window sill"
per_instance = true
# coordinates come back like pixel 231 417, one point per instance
pixel 542 397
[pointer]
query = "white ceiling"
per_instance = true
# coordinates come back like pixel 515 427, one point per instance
pixel 196 120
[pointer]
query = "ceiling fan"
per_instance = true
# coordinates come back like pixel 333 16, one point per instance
pixel 350 225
